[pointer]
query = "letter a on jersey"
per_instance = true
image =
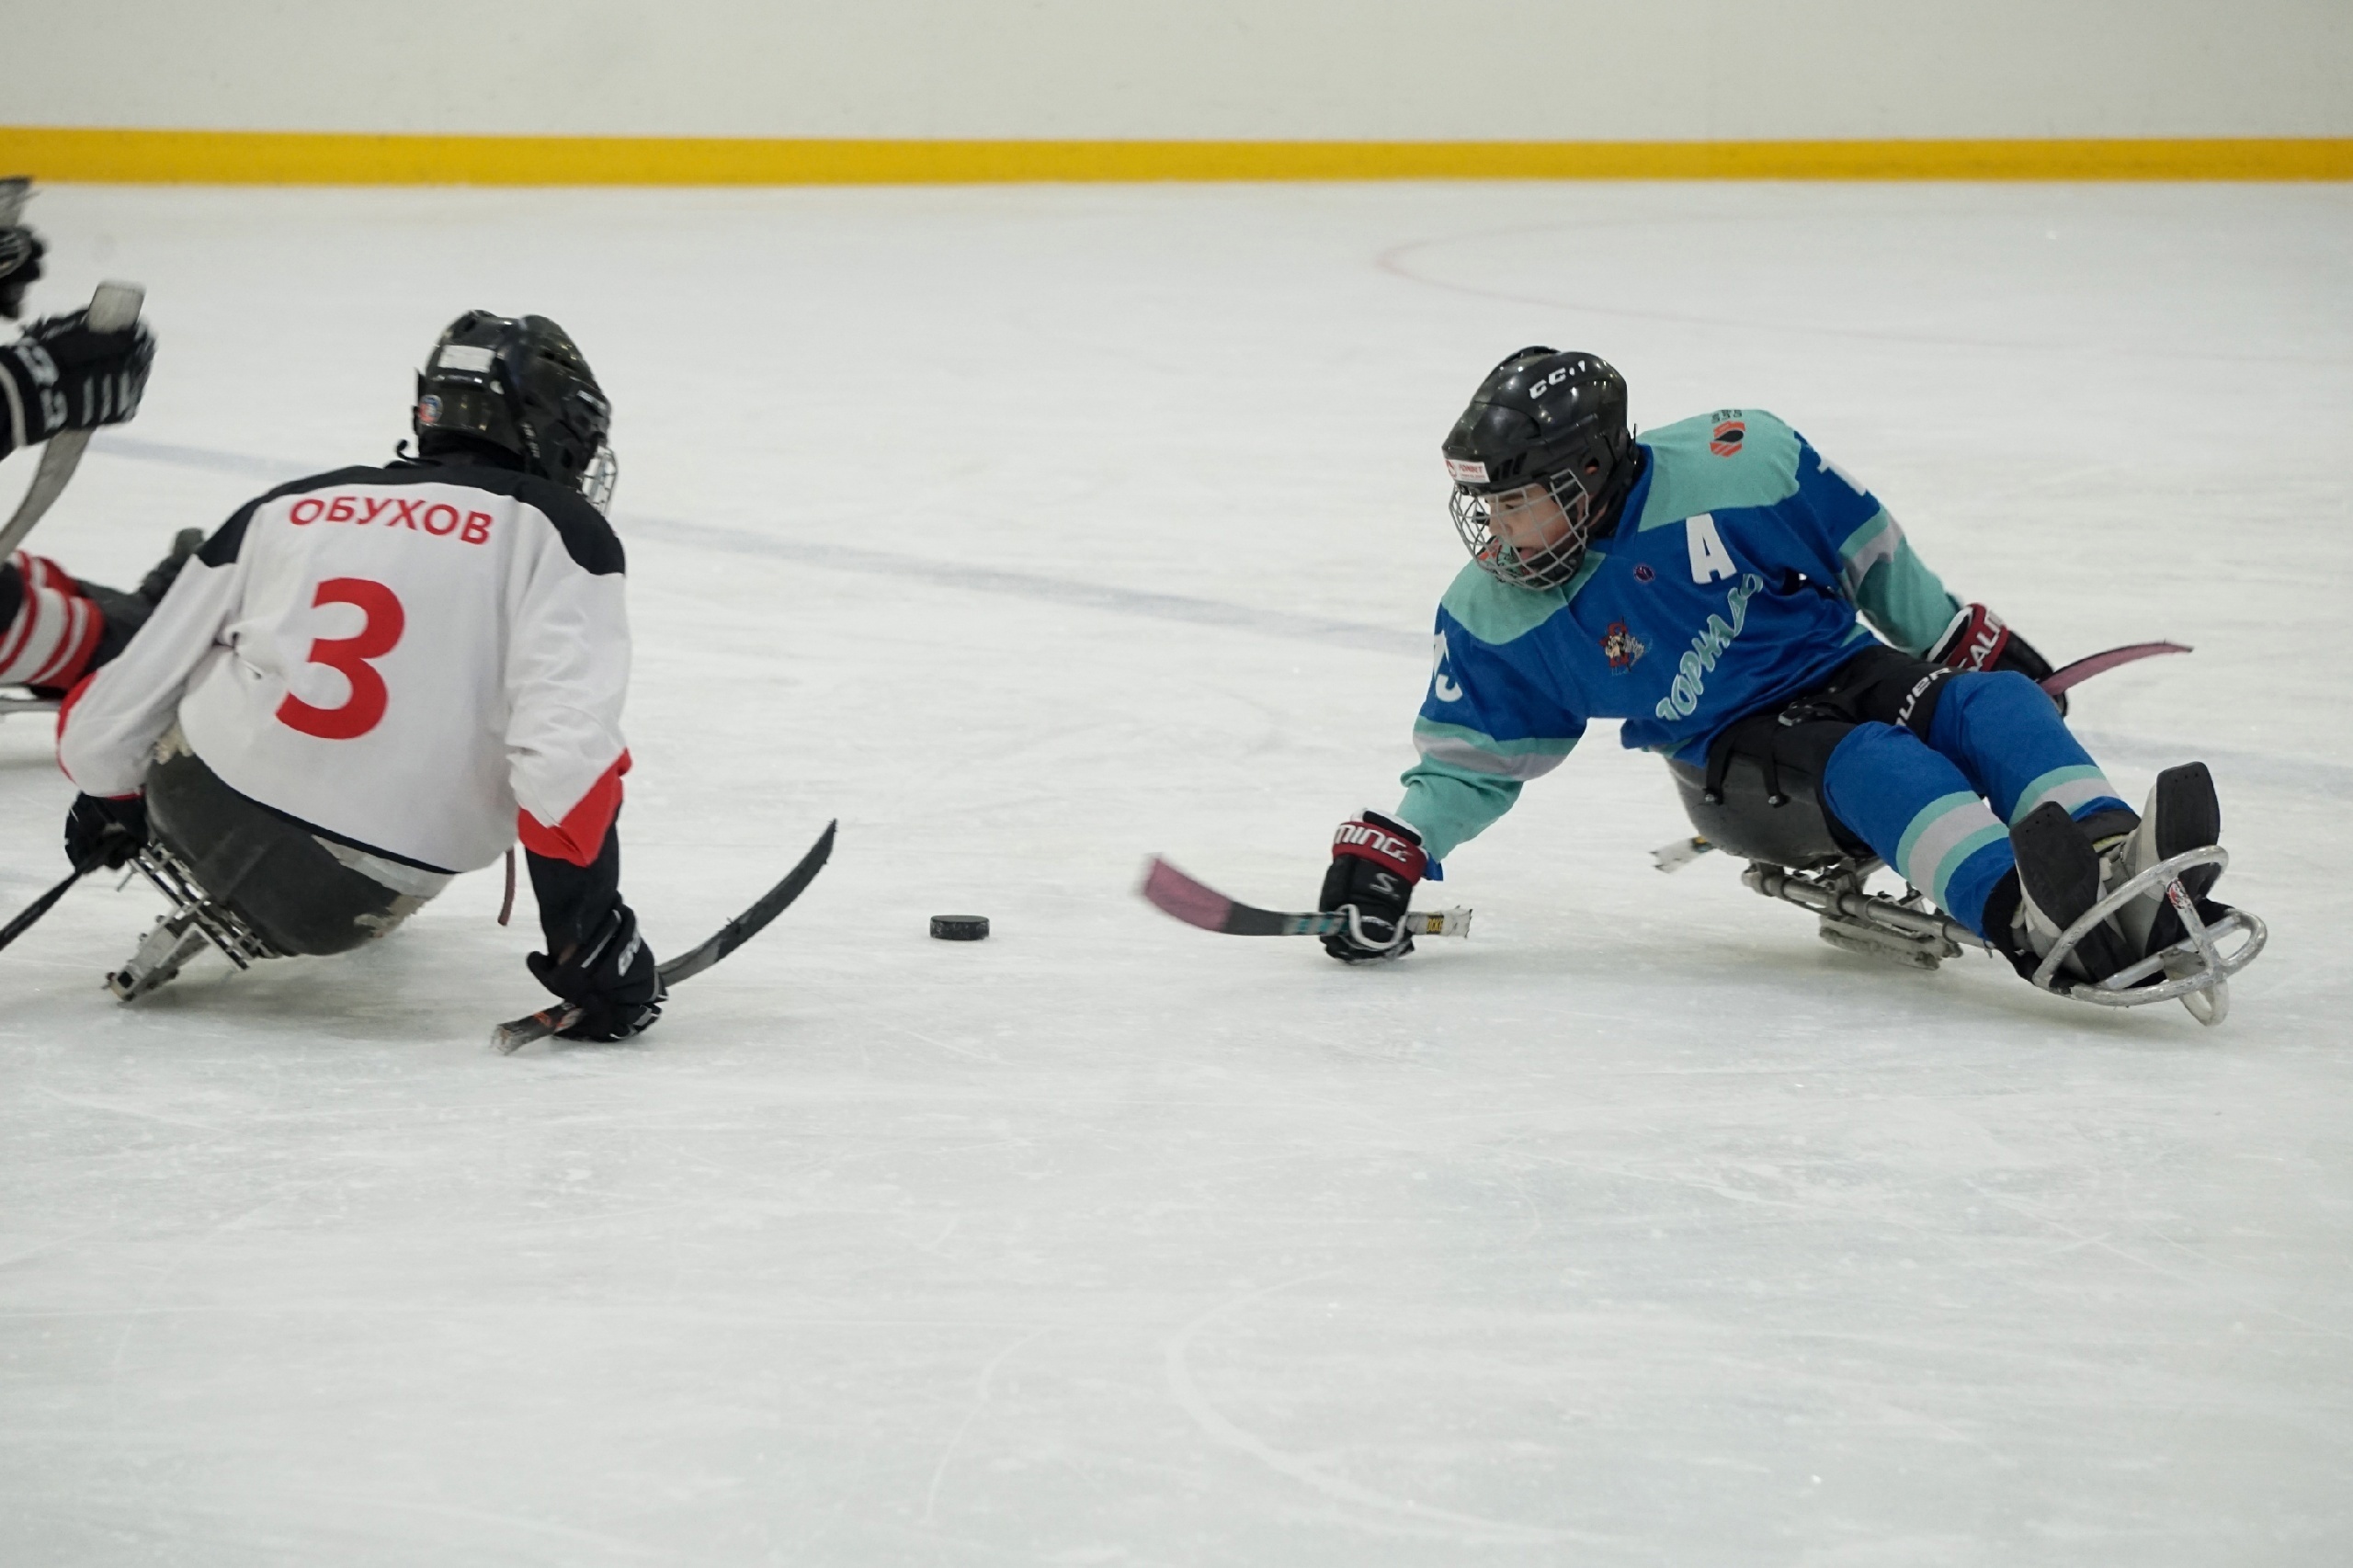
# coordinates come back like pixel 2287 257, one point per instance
pixel 1710 559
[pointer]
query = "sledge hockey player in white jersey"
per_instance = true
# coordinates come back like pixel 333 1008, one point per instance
pixel 370 680
pixel 1704 584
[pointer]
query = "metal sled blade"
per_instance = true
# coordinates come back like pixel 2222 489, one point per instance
pixel 193 923
pixel 2196 969
pixel 1862 922
pixel 165 951
pixel 1173 892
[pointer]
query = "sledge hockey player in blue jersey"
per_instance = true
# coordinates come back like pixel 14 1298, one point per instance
pixel 1716 585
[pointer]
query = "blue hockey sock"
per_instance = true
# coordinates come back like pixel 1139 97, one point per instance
pixel 1920 816
pixel 2011 742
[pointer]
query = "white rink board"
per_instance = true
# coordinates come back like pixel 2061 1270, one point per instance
pixel 1282 69
pixel 1641 1228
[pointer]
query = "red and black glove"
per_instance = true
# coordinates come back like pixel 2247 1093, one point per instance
pixel 1375 863
pixel 1979 641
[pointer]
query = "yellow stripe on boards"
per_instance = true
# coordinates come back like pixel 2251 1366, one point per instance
pixel 272 157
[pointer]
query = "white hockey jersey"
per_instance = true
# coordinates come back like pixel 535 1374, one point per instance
pixel 405 657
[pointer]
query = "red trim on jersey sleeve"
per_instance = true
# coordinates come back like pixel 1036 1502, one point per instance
pixel 580 835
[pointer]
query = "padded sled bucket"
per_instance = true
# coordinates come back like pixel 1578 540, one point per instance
pixel 1798 832
pixel 280 880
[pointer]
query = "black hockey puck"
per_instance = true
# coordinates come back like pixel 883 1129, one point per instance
pixel 960 927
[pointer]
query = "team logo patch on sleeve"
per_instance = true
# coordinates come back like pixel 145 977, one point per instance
pixel 1622 647
pixel 1725 440
pixel 1643 572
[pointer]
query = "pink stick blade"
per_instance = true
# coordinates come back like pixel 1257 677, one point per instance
pixel 1171 891
pixel 2084 669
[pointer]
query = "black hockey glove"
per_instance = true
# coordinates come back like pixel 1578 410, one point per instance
pixel 1978 639
pixel 611 978
pixel 63 376
pixel 21 254
pixel 105 831
pixel 1375 863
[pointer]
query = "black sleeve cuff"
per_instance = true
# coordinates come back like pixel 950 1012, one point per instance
pixel 575 900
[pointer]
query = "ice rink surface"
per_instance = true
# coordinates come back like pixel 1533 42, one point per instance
pixel 1031 531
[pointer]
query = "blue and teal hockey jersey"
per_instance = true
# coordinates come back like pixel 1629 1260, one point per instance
pixel 1734 581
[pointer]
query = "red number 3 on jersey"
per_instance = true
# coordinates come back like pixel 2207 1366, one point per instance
pixel 349 657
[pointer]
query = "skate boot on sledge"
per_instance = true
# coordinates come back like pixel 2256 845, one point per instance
pixel 2111 911
pixel 2137 928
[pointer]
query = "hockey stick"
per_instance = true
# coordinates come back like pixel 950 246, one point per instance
pixel 1683 851
pixel 2082 669
pixel 42 905
pixel 113 308
pixel 48 900
pixel 1196 903
pixel 511 1037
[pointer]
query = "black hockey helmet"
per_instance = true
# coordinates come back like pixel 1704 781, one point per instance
pixel 520 384
pixel 1545 429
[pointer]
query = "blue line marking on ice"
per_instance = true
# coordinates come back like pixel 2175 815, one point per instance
pixel 845 558
pixel 2259 768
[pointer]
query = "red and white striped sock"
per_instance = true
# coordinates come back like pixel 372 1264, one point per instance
pixel 56 628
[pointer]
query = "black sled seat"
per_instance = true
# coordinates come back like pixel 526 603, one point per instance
pixel 1759 798
pixel 1744 818
pixel 291 887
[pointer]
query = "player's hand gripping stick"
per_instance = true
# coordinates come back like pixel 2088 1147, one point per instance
pixel 1194 902
pixel 1375 863
pixel 609 980
pixel 512 1036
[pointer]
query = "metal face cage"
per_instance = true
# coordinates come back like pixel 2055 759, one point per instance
pixel 1547 565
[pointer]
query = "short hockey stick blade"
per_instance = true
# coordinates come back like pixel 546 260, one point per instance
pixel 112 308
pixel 2082 669
pixel 512 1036
pixel 1681 853
pixel 1196 903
